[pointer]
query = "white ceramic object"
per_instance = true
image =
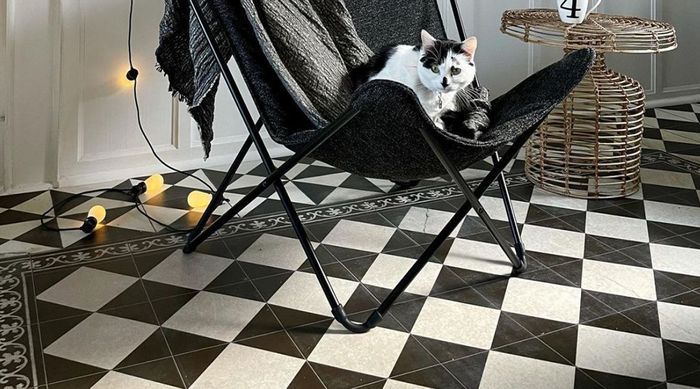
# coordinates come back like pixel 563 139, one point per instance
pixel 575 11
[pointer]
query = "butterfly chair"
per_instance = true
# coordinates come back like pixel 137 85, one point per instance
pixel 383 133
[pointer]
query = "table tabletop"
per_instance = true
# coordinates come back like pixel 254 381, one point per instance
pixel 604 33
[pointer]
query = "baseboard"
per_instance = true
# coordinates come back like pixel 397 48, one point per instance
pixel 196 163
pixel 656 103
pixel 26 188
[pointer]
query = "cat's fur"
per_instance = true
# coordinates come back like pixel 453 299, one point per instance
pixel 435 70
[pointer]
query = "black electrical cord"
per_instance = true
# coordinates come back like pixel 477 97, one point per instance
pixel 131 196
pixel 65 201
pixel 131 75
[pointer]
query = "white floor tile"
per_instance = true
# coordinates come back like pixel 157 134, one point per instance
pixel 679 322
pixel 233 199
pixel 497 211
pixel 333 180
pixel 653 144
pixel 214 315
pixel 194 271
pixel 107 203
pixel 374 352
pixel 302 292
pixel 670 114
pixel 344 195
pixel 15 247
pixel 677 386
pixel 541 299
pixel 275 251
pixel 672 213
pixel 359 236
pixel 675 259
pixel 394 384
pixel 245 181
pixel 427 221
pixel 295 194
pixel 507 371
pixel 13 230
pixel 651 122
pixel 620 353
pixel 667 178
pixel 101 340
pixel 680 136
pixel 133 220
pixel 478 256
pixel 542 197
pixel 36 205
pixel 623 280
pixel 553 241
pixel 116 380
pixel 454 322
pixel 387 270
pixel 241 366
pixel 164 215
pixel 611 226
pixel 190 182
pixel 88 289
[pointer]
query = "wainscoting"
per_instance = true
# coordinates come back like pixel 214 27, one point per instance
pixel 70 113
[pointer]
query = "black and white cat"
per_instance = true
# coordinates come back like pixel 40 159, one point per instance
pixel 436 70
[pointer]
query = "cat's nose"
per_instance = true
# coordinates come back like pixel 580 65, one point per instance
pixel 444 82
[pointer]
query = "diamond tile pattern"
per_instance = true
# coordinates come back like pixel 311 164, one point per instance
pixel 611 298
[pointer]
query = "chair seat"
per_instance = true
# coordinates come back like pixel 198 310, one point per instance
pixel 384 140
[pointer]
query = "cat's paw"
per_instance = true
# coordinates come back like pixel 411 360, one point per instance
pixel 439 123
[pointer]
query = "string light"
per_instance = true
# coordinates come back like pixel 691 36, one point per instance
pixel 95 216
pixel 151 184
pixel 198 199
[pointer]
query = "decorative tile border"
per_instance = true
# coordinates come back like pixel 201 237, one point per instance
pixel 16 369
pixel 15 364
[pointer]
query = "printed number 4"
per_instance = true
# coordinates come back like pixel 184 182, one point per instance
pixel 573 8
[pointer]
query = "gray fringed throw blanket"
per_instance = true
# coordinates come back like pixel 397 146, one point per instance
pixel 315 72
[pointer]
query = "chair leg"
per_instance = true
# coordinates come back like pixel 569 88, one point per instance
pixel 518 264
pixel 510 212
pixel 219 194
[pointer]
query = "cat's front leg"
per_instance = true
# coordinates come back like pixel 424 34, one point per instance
pixel 439 123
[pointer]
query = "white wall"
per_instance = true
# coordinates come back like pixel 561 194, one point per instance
pixel 3 91
pixel 71 118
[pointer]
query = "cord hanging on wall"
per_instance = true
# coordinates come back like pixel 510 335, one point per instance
pixel 196 199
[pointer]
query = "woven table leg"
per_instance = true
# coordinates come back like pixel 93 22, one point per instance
pixel 590 145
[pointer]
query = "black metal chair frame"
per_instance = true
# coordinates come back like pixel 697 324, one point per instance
pixel 201 232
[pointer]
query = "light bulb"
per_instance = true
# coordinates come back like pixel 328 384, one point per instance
pixel 154 182
pixel 198 199
pixel 96 214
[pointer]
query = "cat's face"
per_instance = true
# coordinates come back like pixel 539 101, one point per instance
pixel 446 66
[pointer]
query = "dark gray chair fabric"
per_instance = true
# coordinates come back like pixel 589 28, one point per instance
pixel 381 23
pixel 383 140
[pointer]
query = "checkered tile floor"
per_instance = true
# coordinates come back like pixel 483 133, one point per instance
pixel 310 183
pixel 611 298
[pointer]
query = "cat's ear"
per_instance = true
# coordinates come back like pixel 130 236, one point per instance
pixel 426 39
pixel 469 46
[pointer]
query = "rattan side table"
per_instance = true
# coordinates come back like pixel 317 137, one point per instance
pixel 590 145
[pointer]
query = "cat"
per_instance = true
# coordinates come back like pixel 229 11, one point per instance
pixel 435 70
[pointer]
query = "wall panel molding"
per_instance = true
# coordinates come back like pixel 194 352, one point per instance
pixel 4 96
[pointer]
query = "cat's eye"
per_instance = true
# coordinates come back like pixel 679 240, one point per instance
pixel 456 71
pixel 435 69
pixel 471 64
